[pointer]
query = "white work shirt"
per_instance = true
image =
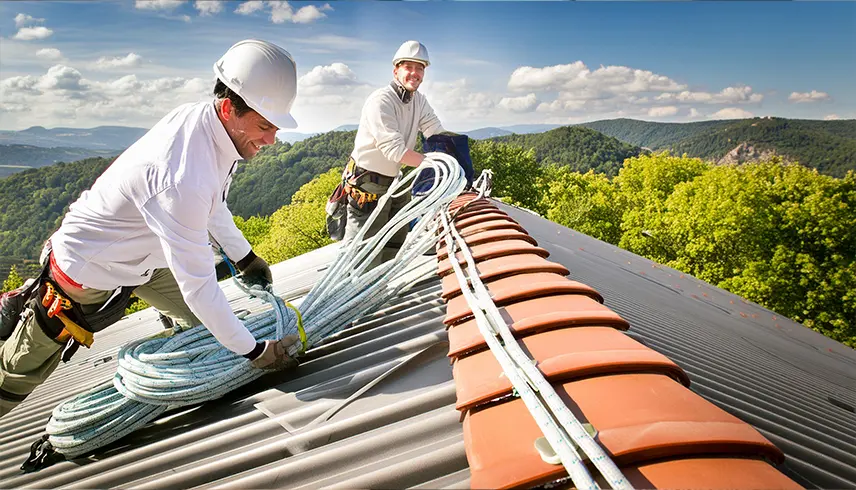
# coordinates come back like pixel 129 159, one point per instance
pixel 153 208
pixel 388 128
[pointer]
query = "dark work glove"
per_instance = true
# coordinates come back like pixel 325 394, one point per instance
pixel 254 271
pixel 275 355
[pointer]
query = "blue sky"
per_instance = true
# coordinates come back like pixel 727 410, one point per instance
pixel 84 64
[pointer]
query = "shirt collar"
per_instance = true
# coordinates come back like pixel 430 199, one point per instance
pixel 223 143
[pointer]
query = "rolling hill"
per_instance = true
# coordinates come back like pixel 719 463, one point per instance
pixel 829 146
pixel 17 158
pixel 576 147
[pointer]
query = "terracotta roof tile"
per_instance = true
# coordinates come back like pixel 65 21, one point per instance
pixel 570 353
pixel 636 398
pixel 537 315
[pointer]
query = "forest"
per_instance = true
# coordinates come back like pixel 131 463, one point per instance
pixel 776 232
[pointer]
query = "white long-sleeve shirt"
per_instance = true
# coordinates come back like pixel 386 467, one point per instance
pixel 153 208
pixel 388 128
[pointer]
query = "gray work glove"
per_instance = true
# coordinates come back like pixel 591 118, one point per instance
pixel 275 356
pixel 255 271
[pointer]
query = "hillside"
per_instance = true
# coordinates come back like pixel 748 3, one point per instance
pixel 577 148
pixel 17 158
pixel 267 182
pixel 811 145
pixel 829 146
pixel 33 202
pixel 652 135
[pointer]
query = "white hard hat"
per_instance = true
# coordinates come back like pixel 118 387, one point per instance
pixel 264 75
pixel 411 51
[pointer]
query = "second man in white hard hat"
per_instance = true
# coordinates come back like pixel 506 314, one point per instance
pixel 391 118
pixel 144 225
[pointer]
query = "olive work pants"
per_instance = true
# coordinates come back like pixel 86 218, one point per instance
pixel 29 356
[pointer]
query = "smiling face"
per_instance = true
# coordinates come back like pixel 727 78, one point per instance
pixel 409 74
pixel 248 132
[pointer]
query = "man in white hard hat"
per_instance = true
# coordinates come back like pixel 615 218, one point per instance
pixel 390 120
pixel 144 225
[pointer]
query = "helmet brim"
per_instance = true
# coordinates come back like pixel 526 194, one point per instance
pixel 282 121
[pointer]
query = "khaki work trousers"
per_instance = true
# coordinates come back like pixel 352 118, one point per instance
pixel 357 216
pixel 28 357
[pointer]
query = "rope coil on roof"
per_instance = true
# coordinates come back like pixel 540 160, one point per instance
pixel 160 373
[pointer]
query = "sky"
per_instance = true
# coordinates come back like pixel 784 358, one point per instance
pixel 83 64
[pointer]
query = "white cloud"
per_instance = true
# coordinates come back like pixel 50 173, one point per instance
pixel 62 77
pixel 731 113
pixel 803 97
pixel 281 11
pixel 25 19
pixel 49 54
pixel 526 103
pixel 157 4
pixel 128 61
pixel 458 99
pixel 310 13
pixel 693 113
pixel 728 95
pixel 208 7
pixel 831 117
pixel 63 94
pixel 32 33
pixel 662 111
pixel 576 77
pixel 247 8
pixel 322 79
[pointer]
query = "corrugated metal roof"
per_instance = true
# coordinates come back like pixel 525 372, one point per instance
pixel 301 430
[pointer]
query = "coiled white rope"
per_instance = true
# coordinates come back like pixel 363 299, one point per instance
pixel 162 373
pixel 551 414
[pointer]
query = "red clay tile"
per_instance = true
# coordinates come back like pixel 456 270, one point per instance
pixel 497 224
pixel 719 473
pixel 530 285
pixel 481 218
pixel 491 250
pixel 519 287
pixel 564 354
pixel 538 315
pixel 485 237
pixel 475 210
pixel 639 417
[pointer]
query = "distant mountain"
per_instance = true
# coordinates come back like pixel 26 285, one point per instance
pixel 292 138
pixel 530 128
pixel 100 138
pixel 17 158
pixel 347 127
pixel 484 133
pixel 829 146
pixel 581 149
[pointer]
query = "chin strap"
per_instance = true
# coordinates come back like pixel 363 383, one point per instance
pixel 402 92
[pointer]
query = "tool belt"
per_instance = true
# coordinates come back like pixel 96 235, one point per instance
pixel 355 176
pixel 60 318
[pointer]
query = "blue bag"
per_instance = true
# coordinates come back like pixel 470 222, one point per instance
pixel 457 146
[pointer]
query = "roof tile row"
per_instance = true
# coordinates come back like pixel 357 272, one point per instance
pixel 661 434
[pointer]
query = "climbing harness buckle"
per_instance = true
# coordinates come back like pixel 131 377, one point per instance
pixel 42 455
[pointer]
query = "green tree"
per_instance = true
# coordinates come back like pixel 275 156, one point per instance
pixel 254 229
pixel 301 226
pixel 642 186
pixel 516 172
pixel 584 202
pixel 14 280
